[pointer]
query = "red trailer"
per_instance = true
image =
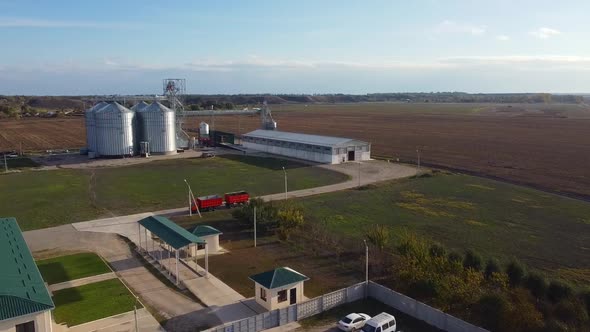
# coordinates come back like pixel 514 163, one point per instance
pixel 208 203
pixel 236 198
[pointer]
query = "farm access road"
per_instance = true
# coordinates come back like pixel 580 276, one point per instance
pixel 180 312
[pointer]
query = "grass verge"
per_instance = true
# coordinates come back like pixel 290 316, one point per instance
pixel 71 267
pixel 78 305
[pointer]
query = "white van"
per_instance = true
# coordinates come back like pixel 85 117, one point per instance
pixel 383 322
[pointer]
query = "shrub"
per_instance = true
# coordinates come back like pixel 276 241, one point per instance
pixel 555 326
pixel 379 236
pixel 492 266
pixel 437 250
pixel 522 315
pixel 515 272
pixel 472 260
pixel 558 291
pixel 455 257
pixel 490 309
pixel 570 312
pixel 423 289
pixel 537 284
pixel 585 297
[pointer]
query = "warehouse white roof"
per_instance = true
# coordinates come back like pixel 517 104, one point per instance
pixel 329 141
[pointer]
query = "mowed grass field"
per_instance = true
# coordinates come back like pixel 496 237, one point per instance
pixel 42 199
pixel 547 232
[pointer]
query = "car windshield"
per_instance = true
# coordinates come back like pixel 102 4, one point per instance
pixel 368 328
pixel 346 320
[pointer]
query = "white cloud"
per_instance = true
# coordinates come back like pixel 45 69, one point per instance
pixel 544 33
pixel 18 22
pixel 452 27
pixel 502 38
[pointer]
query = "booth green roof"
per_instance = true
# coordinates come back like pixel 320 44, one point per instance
pixel 278 277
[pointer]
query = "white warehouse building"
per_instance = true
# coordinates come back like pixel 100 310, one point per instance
pixel 321 149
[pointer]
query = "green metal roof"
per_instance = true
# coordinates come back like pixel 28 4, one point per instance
pixel 204 230
pixel 22 289
pixel 169 232
pixel 278 277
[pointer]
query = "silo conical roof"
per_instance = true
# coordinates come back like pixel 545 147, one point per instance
pixel 96 107
pixel 155 107
pixel 114 107
pixel 139 106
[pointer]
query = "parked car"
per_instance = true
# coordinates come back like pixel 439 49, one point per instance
pixel 352 322
pixel 383 322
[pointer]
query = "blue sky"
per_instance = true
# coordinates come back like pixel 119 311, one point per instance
pixel 127 47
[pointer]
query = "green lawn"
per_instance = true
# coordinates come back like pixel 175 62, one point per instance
pixel 548 232
pixel 49 198
pixel 71 267
pixel 74 306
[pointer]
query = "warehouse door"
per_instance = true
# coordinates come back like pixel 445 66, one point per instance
pixel 350 155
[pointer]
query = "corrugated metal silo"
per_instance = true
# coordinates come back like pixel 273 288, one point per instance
pixel 157 125
pixel 114 130
pixel 91 126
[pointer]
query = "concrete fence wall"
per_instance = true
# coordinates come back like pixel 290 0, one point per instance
pixel 294 312
pixel 353 293
pixel 420 310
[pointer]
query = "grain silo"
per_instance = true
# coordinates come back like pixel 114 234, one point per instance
pixel 91 126
pixel 114 130
pixel 157 126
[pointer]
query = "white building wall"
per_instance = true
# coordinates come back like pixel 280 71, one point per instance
pixel 291 152
pixel 212 242
pixel 272 296
pixel 42 320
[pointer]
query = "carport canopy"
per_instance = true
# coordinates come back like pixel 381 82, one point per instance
pixel 169 232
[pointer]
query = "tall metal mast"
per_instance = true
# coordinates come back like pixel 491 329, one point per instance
pixel 175 89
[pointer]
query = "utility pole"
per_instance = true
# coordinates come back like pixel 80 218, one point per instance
pixel 190 208
pixel 135 314
pixel 418 153
pixel 254 226
pixel 359 174
pixel 285 171
pixel 366 268
pixel 6 170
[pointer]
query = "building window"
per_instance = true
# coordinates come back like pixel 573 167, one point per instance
pixel 200 246
pixel 26 327
pixel 283 296
pixel 263 294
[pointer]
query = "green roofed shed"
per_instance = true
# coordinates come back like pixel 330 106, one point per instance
pixel 279 277
pixel 204 230
pixel 169 232
pixel 22 289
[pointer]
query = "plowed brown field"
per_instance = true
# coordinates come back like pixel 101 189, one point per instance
pixel 546 146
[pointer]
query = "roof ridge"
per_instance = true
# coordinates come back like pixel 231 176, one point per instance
pixel 26 299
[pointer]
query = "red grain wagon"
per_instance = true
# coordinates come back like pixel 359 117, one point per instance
pixel 236 198
pixel 208 203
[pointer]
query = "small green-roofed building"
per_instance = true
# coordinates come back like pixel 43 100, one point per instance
pixel 25 303
pixel 208 234
pixel 279 288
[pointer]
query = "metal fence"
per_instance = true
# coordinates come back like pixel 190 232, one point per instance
pixel 353 293
pixel 420 310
